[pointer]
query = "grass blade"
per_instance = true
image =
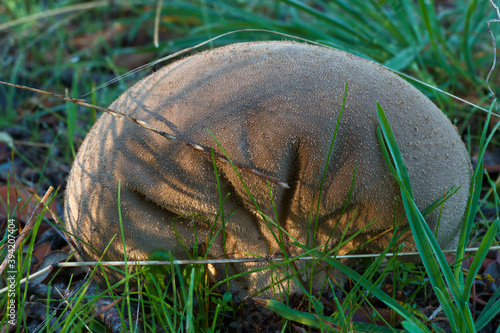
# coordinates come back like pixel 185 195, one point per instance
pixel 394 150
pixel 189 306
pixel 424 239
pixel 479 257
pixel 475 191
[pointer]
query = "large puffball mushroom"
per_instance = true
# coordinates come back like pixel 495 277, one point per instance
pixel 273 107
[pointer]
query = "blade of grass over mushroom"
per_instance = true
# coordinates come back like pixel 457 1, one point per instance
pixel 394 150
pixel 220 215
pixel 424 238
pixel 475 190
pixel 440 201
pixel 418 224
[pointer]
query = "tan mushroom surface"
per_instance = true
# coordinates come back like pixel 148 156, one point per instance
pixel 273 107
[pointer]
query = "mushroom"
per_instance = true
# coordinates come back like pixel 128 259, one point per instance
pixel 273 107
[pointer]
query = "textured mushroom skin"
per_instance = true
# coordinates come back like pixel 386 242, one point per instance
pixel 273 107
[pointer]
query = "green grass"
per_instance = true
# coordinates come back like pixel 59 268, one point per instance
pixel 65 49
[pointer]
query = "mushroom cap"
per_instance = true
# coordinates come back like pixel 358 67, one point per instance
pixel 273 107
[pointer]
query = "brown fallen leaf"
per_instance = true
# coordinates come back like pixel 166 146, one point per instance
pixel 21 202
